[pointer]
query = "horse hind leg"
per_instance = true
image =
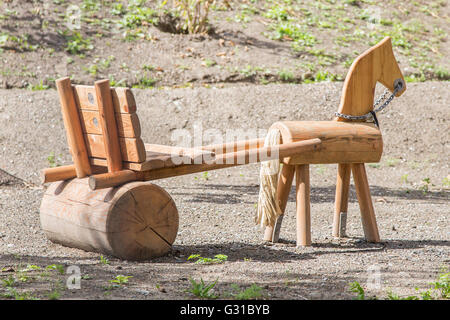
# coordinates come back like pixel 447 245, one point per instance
pixel 341 200
pixel 365 202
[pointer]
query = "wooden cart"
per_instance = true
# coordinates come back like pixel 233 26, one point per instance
pixel 102 202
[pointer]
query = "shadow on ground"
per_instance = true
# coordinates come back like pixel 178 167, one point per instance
pixel 232 194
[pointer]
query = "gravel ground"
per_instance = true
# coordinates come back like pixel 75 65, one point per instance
pixel 409 189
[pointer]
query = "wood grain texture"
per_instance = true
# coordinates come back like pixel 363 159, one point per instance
pixel 132 149
pixel 341 197
pixel 377 64
pixel 123 99
pixel 108 125
pixel 58 173
pixel 72 125
pixel 365 202
pixel 112 179
pixel 303 205
pixel 342 142
pixel 137 221
pixel 128 125
pixel 172 156
pixel 234 146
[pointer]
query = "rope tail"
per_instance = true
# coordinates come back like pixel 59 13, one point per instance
pixel 268 207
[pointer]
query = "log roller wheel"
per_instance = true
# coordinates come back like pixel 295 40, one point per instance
pixel 136 221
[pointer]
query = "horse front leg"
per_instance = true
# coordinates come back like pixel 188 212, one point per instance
pixel 272 233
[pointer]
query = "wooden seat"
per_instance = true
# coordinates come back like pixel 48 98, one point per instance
pixel 134 154
pixel 104 136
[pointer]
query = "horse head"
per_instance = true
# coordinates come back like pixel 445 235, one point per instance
pixel 377 64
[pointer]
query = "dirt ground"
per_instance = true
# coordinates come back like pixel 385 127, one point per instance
pixel 410 190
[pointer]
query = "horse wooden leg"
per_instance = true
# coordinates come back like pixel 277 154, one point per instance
pixel 341 200
pixel 365 202
pixel 303 205
pixel 283 190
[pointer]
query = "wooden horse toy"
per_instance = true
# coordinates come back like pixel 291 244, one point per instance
pixel 348 140
pixel 102 203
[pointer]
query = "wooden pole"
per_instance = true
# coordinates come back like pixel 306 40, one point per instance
pixel 365 202
pixel 58 173
pixel 234 146
pixel 113 179
pixel 341 199
pixel 72 124
pixel 268 153
pixel 303 205
pixel 109 126
pixel 222 161
pixel 283 190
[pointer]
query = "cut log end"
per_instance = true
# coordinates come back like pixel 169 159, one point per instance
pixel 137 221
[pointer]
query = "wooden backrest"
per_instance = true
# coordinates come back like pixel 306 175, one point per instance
pixel 102 126
pixel 127 122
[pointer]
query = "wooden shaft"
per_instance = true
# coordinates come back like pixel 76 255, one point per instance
pixel 184 169
pixel 58 173
pixel 303 205
pixel 223 161
pixel 365 202
pixel 113 179
pixel 267 153
pixel 283 189
pixel 72 124
pixel 235 146
pixel 341 199
pixel 65 173
pixel 109 126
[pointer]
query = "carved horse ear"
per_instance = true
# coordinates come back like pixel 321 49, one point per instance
pixel 377 64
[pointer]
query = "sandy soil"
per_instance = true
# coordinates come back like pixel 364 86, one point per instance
pixel 217 209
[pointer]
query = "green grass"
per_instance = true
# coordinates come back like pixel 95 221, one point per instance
pixel 439 289
pixel 56 267
pixel 249 293
pixel 202 290
pixel 145 81
pixel 209 63
pixel 104 260
pixel 302 25
pixel 219 258
pixel 286 76
pixel 76 44
pixel 355 287
pixel 120 280
pixel 38 87
pixel 10 281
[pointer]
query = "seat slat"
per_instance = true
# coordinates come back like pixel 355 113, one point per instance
pixel 132 149
pixel 128 125
pixel 123 99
